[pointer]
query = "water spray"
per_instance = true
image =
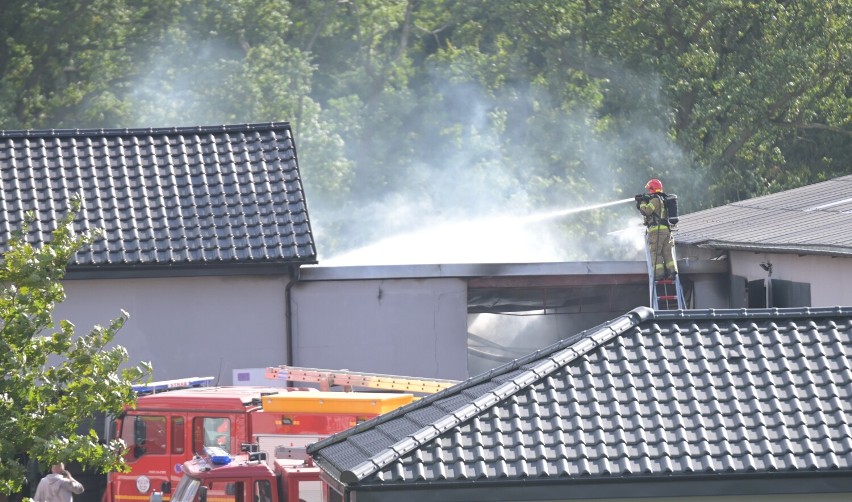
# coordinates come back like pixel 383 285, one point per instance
pixel 565 212
pixel 485 241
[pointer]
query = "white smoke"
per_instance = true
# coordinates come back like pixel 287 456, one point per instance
pixel 532 238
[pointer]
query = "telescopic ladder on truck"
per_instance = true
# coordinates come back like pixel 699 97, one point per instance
pixel 349 379
pixel 666 294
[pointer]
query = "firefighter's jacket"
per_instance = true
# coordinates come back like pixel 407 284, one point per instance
pixel 659 236
pixel 654 211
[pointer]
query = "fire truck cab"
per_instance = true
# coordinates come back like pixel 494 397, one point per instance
pixel 222 478
pixel 166 429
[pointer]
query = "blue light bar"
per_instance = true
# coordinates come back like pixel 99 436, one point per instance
pixel 217 455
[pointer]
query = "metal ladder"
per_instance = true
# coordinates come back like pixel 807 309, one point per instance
pixel 666 294
pixel 349 379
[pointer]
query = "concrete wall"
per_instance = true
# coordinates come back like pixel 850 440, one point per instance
pixel 827 276
pixel 415 327
pixel 192 326
pixel 396 320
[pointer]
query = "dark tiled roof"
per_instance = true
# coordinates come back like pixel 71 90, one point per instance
pixel 648 396
pixel 177 196
pixel 814 219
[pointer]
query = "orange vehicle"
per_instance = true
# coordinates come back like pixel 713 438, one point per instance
pixel 170 425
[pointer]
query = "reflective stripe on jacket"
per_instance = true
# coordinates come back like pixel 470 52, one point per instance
pixel 655 212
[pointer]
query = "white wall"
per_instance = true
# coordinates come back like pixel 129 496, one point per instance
pixel 829 277
pixel 414 327
pixel 193 326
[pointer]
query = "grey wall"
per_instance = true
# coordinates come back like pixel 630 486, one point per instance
pixel 192 326
pixel 393 320
pixel 415 327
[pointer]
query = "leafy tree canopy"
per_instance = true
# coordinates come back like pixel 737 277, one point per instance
pixel 54 379
pixel 429 105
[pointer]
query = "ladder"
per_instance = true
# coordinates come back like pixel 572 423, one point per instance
pixel 666 294
pixel 349 379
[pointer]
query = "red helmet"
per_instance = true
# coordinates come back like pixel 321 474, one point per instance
pixel 654 186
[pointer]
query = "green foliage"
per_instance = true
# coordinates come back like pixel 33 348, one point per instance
pixel 744 81
pixel 54 379
pixel 723 99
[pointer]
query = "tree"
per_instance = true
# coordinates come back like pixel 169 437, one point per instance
pixel 548 101
pixel 750 85
pixel 54 380
pixel 74 78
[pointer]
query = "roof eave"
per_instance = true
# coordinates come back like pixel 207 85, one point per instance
pixel 130 271
pixel 535 489
pixel 772 248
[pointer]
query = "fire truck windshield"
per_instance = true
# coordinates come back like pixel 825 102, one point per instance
pixel 186 489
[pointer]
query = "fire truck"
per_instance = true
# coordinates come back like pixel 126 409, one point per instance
pixel 220 477
pixel 175 420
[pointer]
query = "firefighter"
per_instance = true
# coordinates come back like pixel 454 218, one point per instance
pixel 658 233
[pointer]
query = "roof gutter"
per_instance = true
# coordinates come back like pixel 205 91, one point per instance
pixel 773 248
pixel 713 486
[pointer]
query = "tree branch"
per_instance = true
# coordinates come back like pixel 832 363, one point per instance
pixel 320 26
pixel 812 126
pixel 783 101
pixel 406 30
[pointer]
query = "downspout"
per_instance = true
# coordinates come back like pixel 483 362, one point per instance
pixel 295 274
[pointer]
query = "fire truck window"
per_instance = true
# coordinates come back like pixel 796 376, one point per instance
pixel 310 491
pixel 145 435
pixel 262 491
pixel 177 435
pixel 209 431
pixel 221 491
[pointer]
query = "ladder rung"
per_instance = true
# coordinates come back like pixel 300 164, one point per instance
pixel 667 297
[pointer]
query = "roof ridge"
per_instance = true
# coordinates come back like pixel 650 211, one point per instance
pixel 37 133
pixel 742 202
pixel 755 313
pixel 581 346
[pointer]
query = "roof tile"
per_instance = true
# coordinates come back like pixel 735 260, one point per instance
pixel 674 393
pixel 163 196
pixel 813 219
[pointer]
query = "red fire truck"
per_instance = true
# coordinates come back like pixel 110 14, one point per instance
pixel 170 425
pixel 222 478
